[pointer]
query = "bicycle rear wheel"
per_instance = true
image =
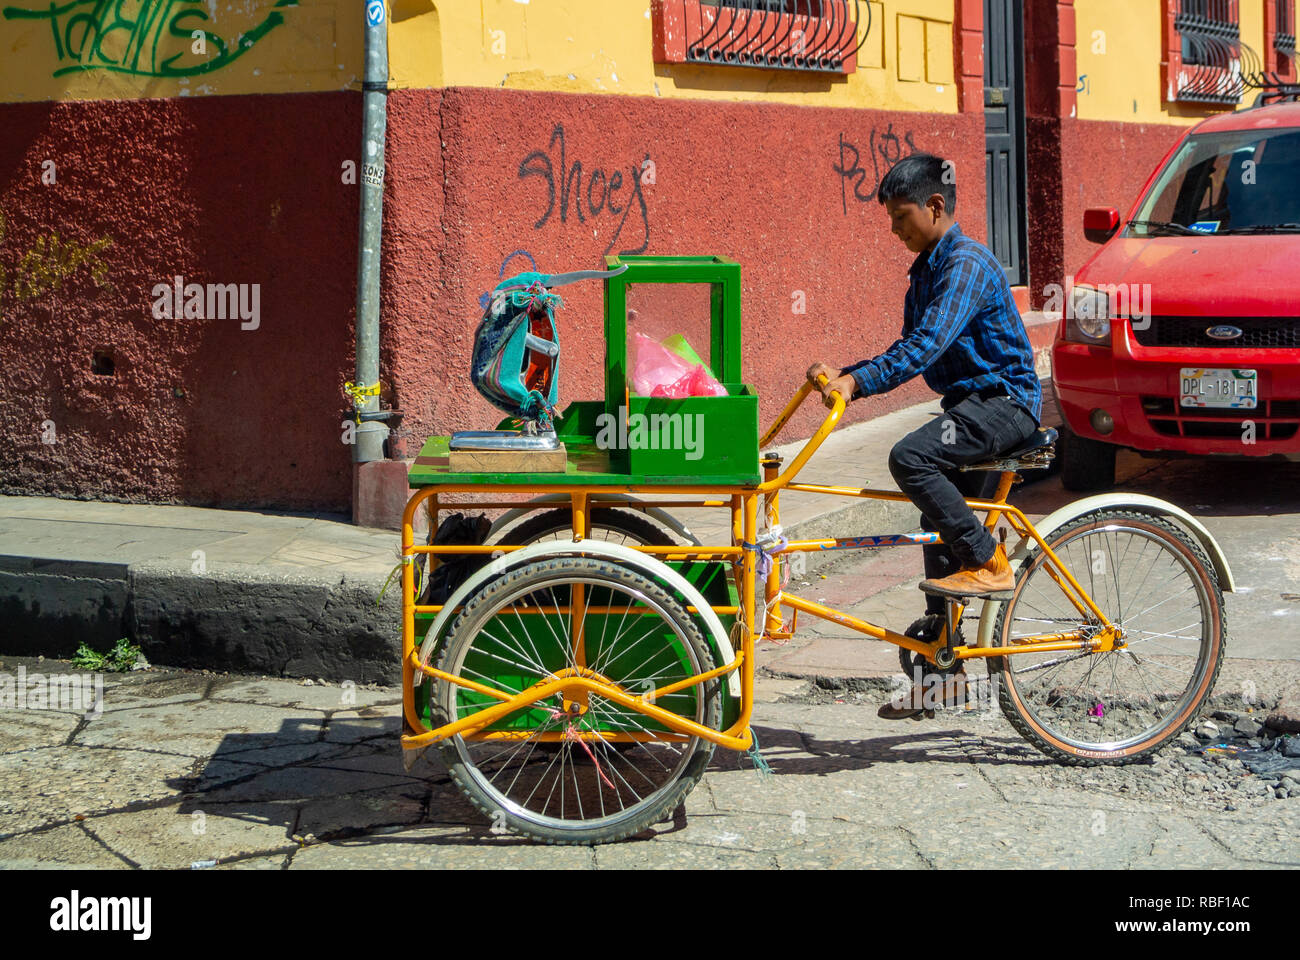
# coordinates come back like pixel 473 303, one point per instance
pixel 1155 583
pixel 568 771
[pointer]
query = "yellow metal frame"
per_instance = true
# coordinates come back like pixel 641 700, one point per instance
pixel 576 684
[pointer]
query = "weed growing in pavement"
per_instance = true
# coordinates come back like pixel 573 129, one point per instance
pixel 120 659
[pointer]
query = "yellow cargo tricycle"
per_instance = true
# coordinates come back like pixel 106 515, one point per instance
pixel 577 683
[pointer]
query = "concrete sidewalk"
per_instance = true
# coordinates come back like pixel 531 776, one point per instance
pixel 295 594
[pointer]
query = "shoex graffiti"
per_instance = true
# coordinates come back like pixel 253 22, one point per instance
pixel 609 195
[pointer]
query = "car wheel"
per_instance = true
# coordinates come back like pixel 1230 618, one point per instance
pixel 1085 464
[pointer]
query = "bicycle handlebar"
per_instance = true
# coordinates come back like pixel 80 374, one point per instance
pixel 814 441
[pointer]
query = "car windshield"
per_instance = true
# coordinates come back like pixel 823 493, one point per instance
pixel 1243 181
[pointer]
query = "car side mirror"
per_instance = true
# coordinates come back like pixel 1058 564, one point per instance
pixel 1100 223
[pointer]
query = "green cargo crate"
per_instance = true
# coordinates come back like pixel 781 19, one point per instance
pixel 697 436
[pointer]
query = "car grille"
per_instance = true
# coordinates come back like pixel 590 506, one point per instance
pixel 1256 332
pixel 1273 419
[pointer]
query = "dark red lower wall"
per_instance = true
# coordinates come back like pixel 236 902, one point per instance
pixel 217 190
pixel 788 192
pixel 249 190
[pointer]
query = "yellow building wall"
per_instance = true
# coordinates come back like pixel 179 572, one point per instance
pixel 1119 47
pixel 88 49
pixel 121 49
pixel 607 46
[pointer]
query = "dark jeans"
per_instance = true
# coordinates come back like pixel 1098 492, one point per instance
pixel 924 465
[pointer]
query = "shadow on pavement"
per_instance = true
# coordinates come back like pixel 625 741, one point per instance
pixel 787 751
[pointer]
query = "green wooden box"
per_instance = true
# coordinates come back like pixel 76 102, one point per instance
pixel 714 437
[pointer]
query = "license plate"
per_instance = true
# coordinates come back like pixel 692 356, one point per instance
pixel 1229 389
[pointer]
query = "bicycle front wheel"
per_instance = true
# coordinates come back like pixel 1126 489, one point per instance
pixel 1156 584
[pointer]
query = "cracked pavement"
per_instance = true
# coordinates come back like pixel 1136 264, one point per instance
pixel 229 772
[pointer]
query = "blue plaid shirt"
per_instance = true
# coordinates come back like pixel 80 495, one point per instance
pixel 961 330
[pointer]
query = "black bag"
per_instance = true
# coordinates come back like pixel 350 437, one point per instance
pixel 455 530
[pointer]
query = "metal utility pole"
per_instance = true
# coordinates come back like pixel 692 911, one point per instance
pixel 371 433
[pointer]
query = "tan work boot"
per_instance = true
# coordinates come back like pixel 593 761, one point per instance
pixel 994 580
pixel 925 696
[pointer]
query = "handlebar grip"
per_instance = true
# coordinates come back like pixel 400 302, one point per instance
pixel 799 397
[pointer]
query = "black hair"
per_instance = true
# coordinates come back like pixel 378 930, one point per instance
pixel 919 177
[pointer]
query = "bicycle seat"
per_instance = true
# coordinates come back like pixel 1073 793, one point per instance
pixel 1034 455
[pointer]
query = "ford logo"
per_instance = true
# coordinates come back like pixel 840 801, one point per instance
pixel 1224 332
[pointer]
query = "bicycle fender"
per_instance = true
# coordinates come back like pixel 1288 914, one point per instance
pixel 599 548
pixel 1106 501
pixel 667 519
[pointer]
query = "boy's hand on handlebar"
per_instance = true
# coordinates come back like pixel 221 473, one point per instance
pixel 820 370
pixel 844 386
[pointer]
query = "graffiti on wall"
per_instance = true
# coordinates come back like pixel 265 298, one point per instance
pixel 51 261
pixel 149 38
pixel 607 197
pixel 884 149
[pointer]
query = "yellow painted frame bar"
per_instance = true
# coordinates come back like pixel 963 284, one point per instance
pixel 569 681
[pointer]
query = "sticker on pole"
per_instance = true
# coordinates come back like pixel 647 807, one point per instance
pixel 375 12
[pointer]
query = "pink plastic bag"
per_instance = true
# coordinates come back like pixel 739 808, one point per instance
pixel 658 372
pixel 698 383
pixel 654 366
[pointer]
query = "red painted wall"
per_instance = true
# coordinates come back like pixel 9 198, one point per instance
pixel 222 190
pixel 756 183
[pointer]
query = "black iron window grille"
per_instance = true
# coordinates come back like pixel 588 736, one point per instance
pixel 1284 35
pixel 1210 31
pixel 1212 52
pixel 771 6
pixel 819 35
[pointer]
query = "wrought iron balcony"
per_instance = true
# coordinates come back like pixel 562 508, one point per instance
pixel 812 35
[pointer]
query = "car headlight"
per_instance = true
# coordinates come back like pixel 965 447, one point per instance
pixel 1088 320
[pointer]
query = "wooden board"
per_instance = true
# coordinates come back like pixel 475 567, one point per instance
pixel 508 461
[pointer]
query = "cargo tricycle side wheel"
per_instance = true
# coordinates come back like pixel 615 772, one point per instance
pixel 577 767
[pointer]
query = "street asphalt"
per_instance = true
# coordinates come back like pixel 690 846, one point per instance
pixel 187 770
pixel 247 765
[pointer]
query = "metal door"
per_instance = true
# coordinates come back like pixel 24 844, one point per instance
pixel 1004 134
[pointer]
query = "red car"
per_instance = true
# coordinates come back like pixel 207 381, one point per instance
pixel 1181 336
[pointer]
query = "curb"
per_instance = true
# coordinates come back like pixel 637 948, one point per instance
pixel 243 618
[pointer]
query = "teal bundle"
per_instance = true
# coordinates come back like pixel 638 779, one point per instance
pixel 515 364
